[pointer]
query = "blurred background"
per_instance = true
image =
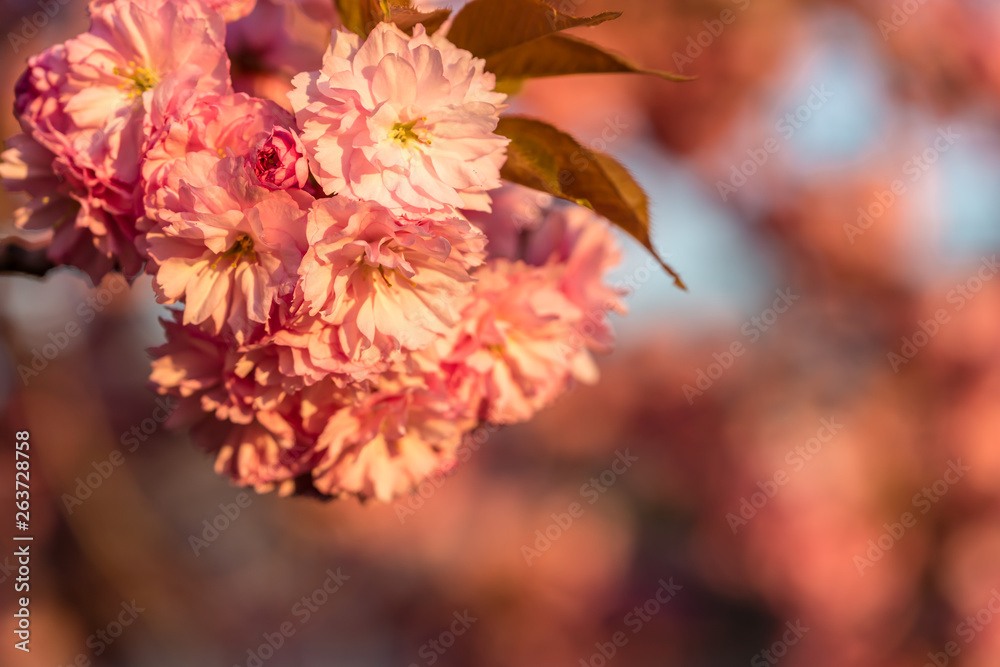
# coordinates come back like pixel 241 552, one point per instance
pixel 812 432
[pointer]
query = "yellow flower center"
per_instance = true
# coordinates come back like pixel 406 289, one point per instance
pixel 241 250
pixel 137 81
pixel 404 134
pixel 381 270
pixel 369 271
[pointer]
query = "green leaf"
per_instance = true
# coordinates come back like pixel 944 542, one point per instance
pixel 557 55
pixel 488 27
pixel 406 18
pixel 547 159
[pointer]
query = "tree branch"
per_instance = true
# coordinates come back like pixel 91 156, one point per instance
pixel 15 259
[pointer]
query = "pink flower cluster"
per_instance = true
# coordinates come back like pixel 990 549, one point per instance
pixel 354 289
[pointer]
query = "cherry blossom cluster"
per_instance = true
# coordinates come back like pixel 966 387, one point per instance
pixel 354 289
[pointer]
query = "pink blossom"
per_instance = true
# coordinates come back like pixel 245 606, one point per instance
pixel 227 248
pixel 196 364
pixel 511 355
pixel 39 98
pixel 210 124
pixel 581 244
pixel 92 102
pixel 279 161
pixel 384 444
pixel 93 205
pixel 405 122
pixel 517 212
pixel 314 351
pixel 231 10
pixel 346 344
pixel 387 283
pixel 530 226
pixel 71 206
pixel 139 58
pixel 270 433
pixel 238 408
pixel 26 166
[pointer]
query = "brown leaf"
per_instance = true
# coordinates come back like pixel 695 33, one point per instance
pixel 488 27
pixel 557 55
pixel 406 18
pixel 547 159
pixel 361 16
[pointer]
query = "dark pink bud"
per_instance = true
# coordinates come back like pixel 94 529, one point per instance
pixel 279 161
